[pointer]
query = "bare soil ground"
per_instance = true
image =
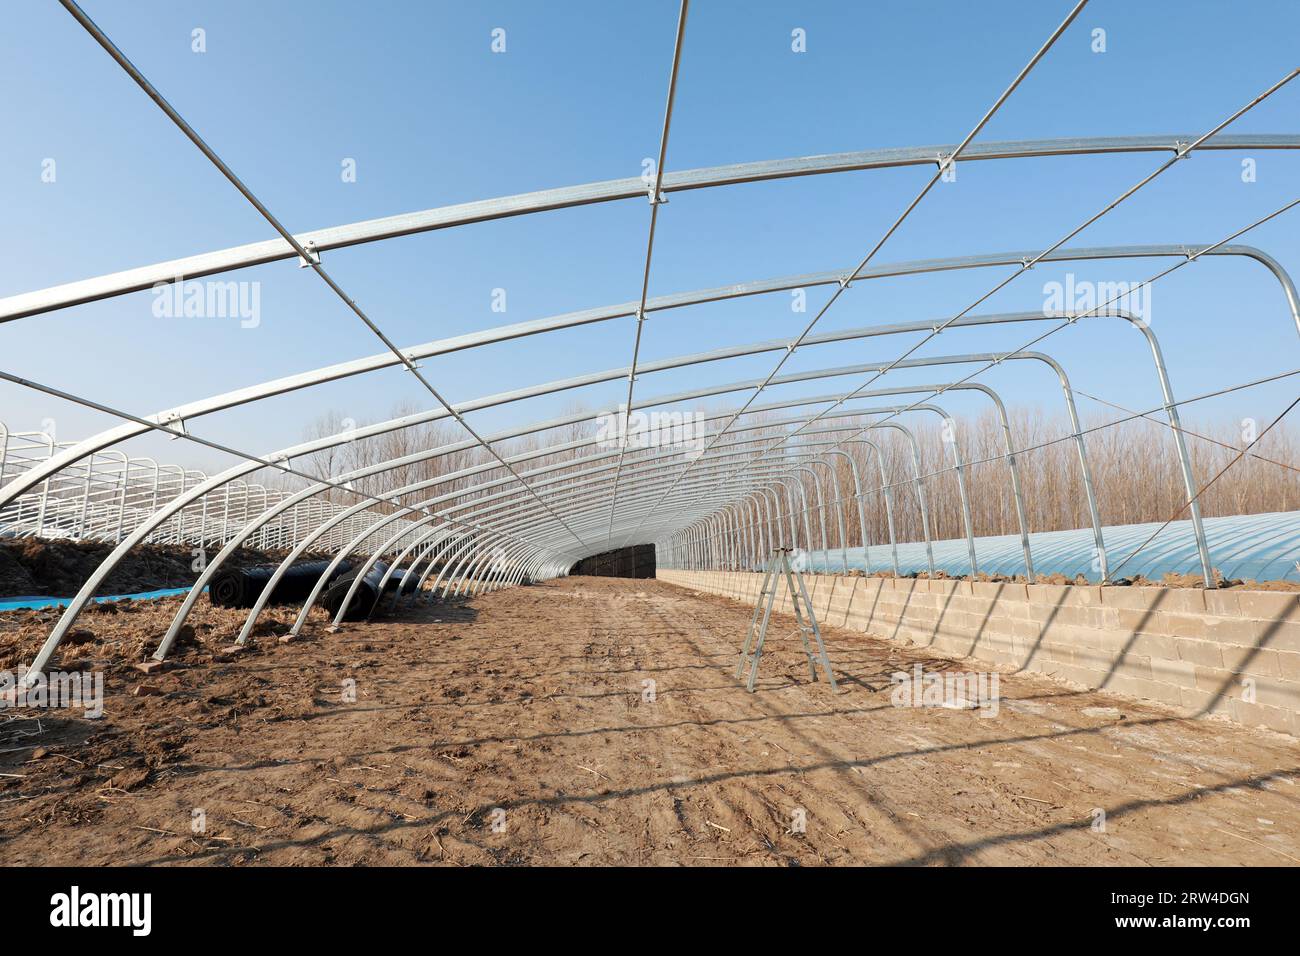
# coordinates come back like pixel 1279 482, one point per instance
pixel 516 730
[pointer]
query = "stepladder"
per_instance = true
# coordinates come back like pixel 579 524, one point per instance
pixel 780 577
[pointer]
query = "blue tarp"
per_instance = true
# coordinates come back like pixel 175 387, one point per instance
pixel 16 603
pixel 1248 547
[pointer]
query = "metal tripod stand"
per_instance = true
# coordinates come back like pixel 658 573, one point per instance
pixel 778 572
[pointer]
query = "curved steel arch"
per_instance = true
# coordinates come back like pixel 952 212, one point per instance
pixel 390 227
pixel 176 416
pixel 87 591
pixel 214 565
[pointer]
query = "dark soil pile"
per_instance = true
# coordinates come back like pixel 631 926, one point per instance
pixel 34 566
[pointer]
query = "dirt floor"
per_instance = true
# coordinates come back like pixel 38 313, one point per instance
pixel 517 729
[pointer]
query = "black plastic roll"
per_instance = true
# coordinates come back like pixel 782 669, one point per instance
pixel 367 592
pixel 239 587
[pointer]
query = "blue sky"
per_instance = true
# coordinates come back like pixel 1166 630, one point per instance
pixel 432 116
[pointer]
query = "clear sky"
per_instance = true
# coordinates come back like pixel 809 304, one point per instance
pixel 285 92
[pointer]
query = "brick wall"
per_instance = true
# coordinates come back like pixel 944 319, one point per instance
pixel 1200 651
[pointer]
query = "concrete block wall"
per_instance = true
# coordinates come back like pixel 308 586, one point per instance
pixel 1234 653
